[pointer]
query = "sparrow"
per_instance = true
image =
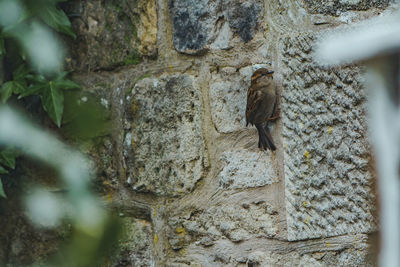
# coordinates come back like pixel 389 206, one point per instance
pixel 261 105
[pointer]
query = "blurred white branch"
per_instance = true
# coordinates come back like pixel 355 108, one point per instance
pixel 361 41
pixel 73 167
pixel 370 40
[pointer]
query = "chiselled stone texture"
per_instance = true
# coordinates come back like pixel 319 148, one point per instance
pixel 228 96
pixel 202 24
pixel 333 7
pixel 111 33
pixel 164 145
pixel 327 171
pixel 134 247
pixel 235 222
pixel 244 169
pixel 348 250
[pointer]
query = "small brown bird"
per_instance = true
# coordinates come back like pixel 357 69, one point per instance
pixel 261 105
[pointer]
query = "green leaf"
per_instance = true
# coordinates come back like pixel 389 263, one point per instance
pixel 10 87
pixel 2 193
pixel 21 72
pixel 31 90
pixel 56 19
pixel 19 88
pixel 53 102
pixel 6 91
pixel 7 157
pixel 3 171
pixel 66 84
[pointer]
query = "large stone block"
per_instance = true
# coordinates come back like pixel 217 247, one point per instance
pixel 111 33
pixel 334 7
pixel 200 25
pixel 327 170
pixel 163 145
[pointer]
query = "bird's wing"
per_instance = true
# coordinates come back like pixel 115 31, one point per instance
pixel 254 99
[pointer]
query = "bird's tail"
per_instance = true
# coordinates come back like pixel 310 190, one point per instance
pixel 264 138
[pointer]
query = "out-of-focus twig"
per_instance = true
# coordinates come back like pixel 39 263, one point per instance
pixel 377 42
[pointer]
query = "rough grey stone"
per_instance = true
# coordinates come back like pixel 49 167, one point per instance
pixel 244 169
pixel 228 94
pixel 164 147
pixel 334 7
pixel 200 25
pixel 327 173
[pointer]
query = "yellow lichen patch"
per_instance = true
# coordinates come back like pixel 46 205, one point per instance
pixel 155 212
pixel 108 198
pixel 305 204
pixel 171 68
pixel 107 183
pixel 306 154
pixel 147 27
pixel 155 238
pixel 330 129
pixel 307 220
pixel 182 251
pixel 328 244
pixel 180 230
pixel 135 107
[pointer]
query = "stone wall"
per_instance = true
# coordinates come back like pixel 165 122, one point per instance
pixel 180 164
pixel 182 153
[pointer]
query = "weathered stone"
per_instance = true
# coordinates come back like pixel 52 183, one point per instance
pixel 228 94
pixel 244 169
pixel 200 25
pixel 259 258
pixel 164 148
pixel 327 173
pixel 111 33
pixel 233 222
pixel 243 18
pixel 135 246
pixel 334 7
pixel 346 250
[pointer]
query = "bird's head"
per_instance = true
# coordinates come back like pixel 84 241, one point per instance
pixel 260 73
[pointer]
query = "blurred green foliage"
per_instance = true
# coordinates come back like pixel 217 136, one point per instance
pixel 31 59
pixel 20 78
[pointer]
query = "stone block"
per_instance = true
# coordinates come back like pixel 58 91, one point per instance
pixel 164 146
pixel 334 7
pixel 200 25
pixel 327 172
pixel 111 33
